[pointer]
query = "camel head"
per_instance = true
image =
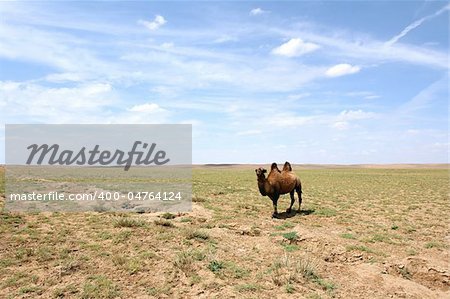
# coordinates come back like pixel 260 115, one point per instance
pixel 260 173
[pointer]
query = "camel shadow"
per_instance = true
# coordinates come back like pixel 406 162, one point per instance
pixel 286 215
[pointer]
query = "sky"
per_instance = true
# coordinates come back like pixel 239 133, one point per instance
pixel 301 81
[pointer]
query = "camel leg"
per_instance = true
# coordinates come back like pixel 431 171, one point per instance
pixel 299 192
pixel 292 201
pixel 275 210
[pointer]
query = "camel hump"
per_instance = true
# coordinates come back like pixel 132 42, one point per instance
pixel 287 166
pixel 274 166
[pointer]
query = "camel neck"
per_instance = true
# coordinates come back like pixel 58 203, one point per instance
pixel 263 185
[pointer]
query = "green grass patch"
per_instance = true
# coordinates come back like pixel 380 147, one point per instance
pixel 198 234
pixel 290 236
pixel 198 199
pixel 364 249
pixel 291 247
pixel 19 278
pixel 66 291
pixel 11 219
pixel 348 236
pixel 326 285
pixel 216 266
pixel 164 222
pixel 289 288
pixel 122 236
pixel 248 287
pixel 184 260
pixel 434 244
pixel 31 290
pixel 99 287
pixel 105 235
pixel 131 265
pixel 235 271
pixel 128 222
pixel 168 216
pixel 45 253
pixel 379 238
pixel 285 225
pixel 6 262
pixel 325 212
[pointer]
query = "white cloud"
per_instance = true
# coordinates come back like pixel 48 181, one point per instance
pixel 341 125
pixel 167 45
pixel 59 50
pixel 298 96
pixel 193 122
pixel 257 11
pixel 416 24
pixel 93 103
pixel 430 44
pixel 342 69
pixel 248 132
pixel 225 38
pixel 355 115
pixel 368 50
pixel 295 47
pixel 413 132
pixel 65 77
pixel 186 69
pixel 6 86
pixel 165 91
pixel 358 93
pixel 367 95
pixel 97 88
pixel 280 146
pixel 343 120
pixel 36 103
pixel 157 22
pixel 291 120
pixel 435 92
pixel 147 108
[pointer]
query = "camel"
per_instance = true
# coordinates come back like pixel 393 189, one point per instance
pixel 278 183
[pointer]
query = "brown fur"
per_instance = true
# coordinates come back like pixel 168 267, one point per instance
pixel 278 183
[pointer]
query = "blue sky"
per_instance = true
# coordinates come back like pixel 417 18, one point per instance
pixel 308 82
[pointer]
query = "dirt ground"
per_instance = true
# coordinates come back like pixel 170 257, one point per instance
pixel 363 232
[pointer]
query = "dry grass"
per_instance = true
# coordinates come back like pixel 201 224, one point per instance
pixel 357 226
